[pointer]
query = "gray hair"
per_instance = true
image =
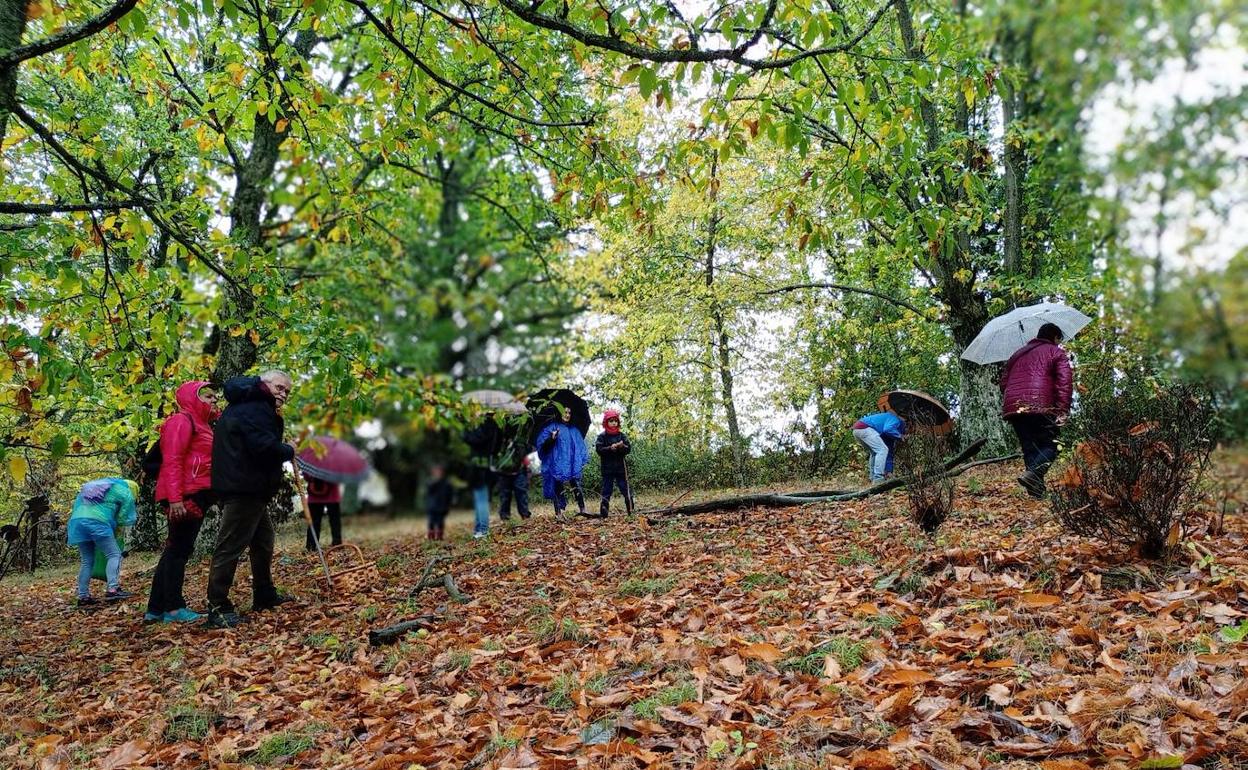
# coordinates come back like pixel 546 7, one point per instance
pixel 273 374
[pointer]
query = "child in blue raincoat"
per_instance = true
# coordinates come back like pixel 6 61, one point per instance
pixel 563 453
pixel 102 508
pixel 878 433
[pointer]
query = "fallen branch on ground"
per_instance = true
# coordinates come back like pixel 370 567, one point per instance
pixel 954 466
pixel 392 634
pixel 444 579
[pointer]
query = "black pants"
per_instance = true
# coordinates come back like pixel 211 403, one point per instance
pixel 319 511
pixel 561 496
pixel 513 485
pixel 245 526
pixel 170 575
pixel 611 480
pixel 1037 436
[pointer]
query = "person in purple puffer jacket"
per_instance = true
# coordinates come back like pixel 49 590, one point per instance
pixel 1037 385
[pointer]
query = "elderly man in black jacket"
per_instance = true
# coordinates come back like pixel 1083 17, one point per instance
pixel 247 457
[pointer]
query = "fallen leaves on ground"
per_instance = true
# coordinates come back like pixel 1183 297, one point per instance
pixel 833 636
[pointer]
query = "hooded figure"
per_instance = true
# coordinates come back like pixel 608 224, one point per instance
pixel 563 453
pixel 612 446
pixel 184 489
pixel 102 508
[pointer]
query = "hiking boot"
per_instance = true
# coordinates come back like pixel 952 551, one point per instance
pixel 182 615
pixel 117 595
pixel 87 601
pixel 223 619
pixel 272 603
pixel 155 617
pixel 1033 484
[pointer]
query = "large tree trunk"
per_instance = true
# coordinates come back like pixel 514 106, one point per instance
pixel 252 178
pixel 979 407
pixel 12 27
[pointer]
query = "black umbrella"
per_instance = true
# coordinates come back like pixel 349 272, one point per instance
pixel 919 410
pixel 545 406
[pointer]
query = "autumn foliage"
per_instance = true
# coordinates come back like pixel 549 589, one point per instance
pixel 1144 447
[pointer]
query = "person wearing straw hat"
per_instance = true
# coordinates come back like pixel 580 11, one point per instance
pixel 1037 386
pixel 247 457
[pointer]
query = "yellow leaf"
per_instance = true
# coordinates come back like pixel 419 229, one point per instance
pixel 17 468
pixel 281 125
pixel 254 336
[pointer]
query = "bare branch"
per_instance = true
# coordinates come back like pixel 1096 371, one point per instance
pixel 854 289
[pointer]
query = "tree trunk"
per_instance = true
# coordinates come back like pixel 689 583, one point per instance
pixel 1014 157
pixel 979 407
pixel 720 337
pixel 12 27
pixel 252 178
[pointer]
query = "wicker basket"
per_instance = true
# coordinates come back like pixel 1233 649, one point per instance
pixel 362 577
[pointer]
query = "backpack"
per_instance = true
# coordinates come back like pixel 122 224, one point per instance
pixel 152 459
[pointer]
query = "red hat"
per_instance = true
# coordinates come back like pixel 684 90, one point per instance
pixel 608 416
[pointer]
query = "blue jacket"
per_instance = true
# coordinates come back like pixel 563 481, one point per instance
pixel 886 424
pixel 563 459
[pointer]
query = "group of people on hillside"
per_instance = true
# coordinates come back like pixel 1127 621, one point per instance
pixel 563 456
pixel 1037 387
pixel 231 458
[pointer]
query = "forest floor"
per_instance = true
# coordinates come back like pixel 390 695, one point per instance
pixel 821 636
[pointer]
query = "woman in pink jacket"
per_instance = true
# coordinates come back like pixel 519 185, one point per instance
pixel 1037 386
pixel 184 490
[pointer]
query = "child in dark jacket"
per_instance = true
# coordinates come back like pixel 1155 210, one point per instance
pixel 437 501
pixel 612 446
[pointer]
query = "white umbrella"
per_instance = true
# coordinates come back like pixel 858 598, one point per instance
pixel 496 401
pixel 1005 334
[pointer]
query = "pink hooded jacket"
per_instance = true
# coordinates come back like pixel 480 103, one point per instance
pixel 186 446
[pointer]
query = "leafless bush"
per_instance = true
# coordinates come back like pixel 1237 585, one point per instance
pixel 929 490
pixel 1143 447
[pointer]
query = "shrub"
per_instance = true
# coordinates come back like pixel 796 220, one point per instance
pixel 929 490
pixel 1143 447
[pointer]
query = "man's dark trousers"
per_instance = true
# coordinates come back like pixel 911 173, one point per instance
pixel 245 525
pixel 509 485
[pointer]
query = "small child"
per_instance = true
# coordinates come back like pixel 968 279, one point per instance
pixel 878 433
pixel 437 501
pixel 612 446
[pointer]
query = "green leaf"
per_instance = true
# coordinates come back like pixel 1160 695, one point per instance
pixel 1162 762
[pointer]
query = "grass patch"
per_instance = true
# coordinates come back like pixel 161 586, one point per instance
pixel 848 653
pixel 548 630
pixel 646 586
pixel 559 692
pixel 855 555
pixel 391 560
pixel 599 683
pixel 459 659
pixel 763 580
pixel 669 696
pixel 911 584
pixel 186 722
pixel 882 622
pixel 283 745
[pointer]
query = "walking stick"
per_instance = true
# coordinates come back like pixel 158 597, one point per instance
pixel 628 499
pixel 307 516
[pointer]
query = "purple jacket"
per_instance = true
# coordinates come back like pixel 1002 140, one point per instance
pixel 1037 379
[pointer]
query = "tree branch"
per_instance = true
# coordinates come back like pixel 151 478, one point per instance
pixel 447 84
pixel 16 207
pixel 855 289
pixel 529 13
pixel 67 36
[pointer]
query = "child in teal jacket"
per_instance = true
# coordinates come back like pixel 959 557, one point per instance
pixel 102 507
